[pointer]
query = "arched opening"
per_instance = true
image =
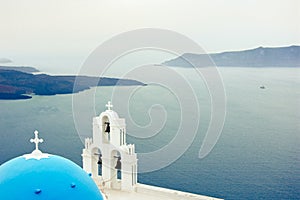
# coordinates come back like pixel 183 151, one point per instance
pixel 105 129
pixel 117 169
pixel 96 162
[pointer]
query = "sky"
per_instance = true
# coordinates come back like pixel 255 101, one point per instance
pixel 58 35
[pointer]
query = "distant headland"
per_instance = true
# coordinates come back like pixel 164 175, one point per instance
pixel 258 57
pixel 20 83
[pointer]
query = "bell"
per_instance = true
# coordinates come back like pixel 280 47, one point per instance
pixel 100 160
pixel 118 165
pixel 107 129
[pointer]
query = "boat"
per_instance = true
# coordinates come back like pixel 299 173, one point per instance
pixel 262 87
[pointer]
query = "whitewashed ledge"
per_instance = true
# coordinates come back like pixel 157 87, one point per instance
pixel 147 192
pixel 164 193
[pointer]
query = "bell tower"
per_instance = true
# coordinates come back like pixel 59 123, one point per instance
pixel 106 156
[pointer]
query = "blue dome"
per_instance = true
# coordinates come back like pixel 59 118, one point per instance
pixel 51 178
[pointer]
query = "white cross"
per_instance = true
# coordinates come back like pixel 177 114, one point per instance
pixel 36 140
pixel 109 105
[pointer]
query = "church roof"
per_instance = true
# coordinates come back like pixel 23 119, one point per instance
pixel 48 178
pixel 45 177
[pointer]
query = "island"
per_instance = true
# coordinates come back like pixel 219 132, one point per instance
pixel 258 57
pixel 17 84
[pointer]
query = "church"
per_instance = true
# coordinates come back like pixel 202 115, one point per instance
pixel 109 170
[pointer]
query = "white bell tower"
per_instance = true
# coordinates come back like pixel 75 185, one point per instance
pixel 108 158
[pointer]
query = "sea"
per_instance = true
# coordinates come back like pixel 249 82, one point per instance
pixel 257 155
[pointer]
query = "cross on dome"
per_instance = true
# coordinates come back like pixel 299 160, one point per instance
pixel 109 105
pixel 36 154
pixel 36 140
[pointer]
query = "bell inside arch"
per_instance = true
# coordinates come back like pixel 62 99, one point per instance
pixel 119 164
pixel 107 128
pixel 100 160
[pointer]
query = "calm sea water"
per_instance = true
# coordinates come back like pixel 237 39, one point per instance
pixel 256 157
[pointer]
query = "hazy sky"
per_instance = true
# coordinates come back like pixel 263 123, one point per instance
pixel 61 33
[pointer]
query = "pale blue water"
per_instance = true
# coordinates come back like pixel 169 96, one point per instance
pixel 256 157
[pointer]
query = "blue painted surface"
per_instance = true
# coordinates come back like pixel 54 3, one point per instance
pixel 50 178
